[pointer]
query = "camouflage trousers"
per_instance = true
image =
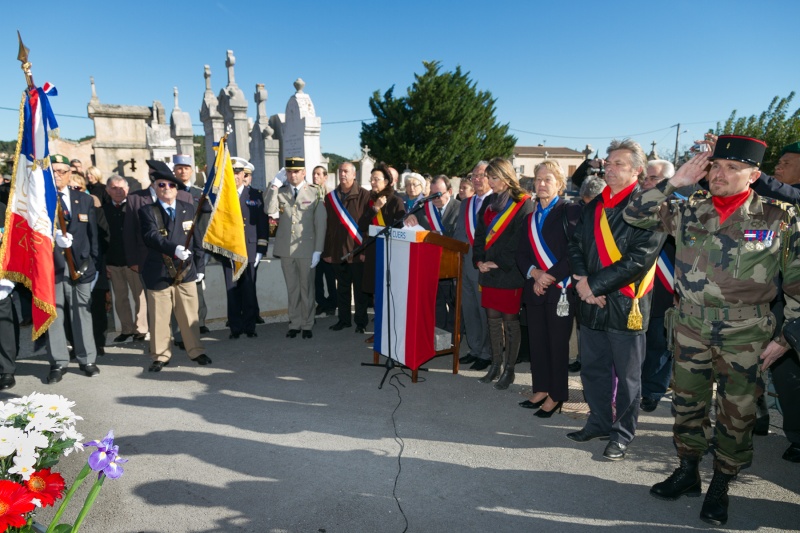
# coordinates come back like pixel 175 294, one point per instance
pixel 726 353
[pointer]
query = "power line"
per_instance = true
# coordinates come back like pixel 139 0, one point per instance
pixel 56 114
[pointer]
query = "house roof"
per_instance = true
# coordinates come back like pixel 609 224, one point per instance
pixel 552 151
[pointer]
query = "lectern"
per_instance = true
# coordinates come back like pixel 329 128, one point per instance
pixel 409 265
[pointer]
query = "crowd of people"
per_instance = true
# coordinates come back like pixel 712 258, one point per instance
pixel 676 279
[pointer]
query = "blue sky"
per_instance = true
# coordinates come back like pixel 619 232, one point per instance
pixel 563 73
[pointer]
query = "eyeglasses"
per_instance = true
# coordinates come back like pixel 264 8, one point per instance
pixel 61 172
pixel 162 184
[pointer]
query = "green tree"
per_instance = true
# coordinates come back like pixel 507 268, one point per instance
pixel 334 160
pixel 774 126
pixel 443 125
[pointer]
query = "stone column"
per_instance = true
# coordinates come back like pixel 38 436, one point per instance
pixel 233 108
pixel 263 148
pixel 301 128
pixel 180 125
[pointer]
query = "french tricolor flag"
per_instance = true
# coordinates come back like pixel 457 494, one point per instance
pixel 405 309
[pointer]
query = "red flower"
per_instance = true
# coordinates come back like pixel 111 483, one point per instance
pixel 15 502
pixel 46 487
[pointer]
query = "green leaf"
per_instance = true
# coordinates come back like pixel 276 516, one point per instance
pixel 63 528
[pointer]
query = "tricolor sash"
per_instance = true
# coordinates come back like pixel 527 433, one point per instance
pixel 434 217
pixel 377 220
pixel 542 252
pixel 610 254
pixel 345 217
pixel 470 217
pixel 665 271
pixel 501 221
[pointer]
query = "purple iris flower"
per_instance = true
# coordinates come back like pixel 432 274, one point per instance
pixel 106 458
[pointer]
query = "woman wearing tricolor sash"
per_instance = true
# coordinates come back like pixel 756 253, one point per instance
pixel 385 207
pixel 550 300
pixel 500 222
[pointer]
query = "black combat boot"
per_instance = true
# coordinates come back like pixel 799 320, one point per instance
pixel 685 480
pixel 496 338
pixel 715 506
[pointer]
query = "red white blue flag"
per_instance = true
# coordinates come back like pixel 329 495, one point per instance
pixel 26 253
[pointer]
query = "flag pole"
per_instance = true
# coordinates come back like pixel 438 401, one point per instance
pixel 22 56
pixel 200 204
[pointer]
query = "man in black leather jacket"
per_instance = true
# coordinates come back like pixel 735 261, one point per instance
pixel 613 264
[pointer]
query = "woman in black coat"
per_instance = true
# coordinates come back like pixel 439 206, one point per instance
pixel 500 221
pixel 542 255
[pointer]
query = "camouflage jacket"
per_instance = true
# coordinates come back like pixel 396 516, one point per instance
pixel 733 264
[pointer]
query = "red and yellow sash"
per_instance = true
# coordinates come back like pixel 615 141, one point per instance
pixel 503 219
pixel 610 254
pixel 377 220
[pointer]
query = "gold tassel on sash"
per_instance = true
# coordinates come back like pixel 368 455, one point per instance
pixel 635 316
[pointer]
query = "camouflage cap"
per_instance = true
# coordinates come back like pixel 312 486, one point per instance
pixel 793 148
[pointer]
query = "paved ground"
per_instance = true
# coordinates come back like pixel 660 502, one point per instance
pixel 293 435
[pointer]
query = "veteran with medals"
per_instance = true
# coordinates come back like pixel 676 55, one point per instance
pixel 170 269
pixel 298 241
pixel 500 222
pixel 731 249
pixel 542 255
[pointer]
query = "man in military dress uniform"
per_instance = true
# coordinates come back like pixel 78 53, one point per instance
pixel 731 249
pixel 170 270
pixel 299 241
pixel 74 295
pixel 242 300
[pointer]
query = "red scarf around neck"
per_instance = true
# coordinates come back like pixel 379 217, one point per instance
pixel 610 202
pixel 726 205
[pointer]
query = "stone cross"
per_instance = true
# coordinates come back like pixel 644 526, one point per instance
pixel 365 150
pixel 230 61
pixel 175 95
pixel 207 76
pixel 94 91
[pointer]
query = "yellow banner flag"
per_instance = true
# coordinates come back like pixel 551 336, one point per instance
pixel 225 233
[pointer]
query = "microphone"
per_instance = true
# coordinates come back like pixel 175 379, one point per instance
pixel 431 197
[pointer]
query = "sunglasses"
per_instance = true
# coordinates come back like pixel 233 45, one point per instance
pixel 162 184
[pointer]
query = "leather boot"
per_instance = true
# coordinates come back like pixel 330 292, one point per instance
pixel 496 338
pixel 684 481
pixel 513 340
pixel 715 506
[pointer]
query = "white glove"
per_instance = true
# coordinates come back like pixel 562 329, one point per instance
pixel 315 259
pixel 94 281
pixel 6 286
pixel 200 277
pixel 259 257
pixel 280 178
pixel 182 253
pixel 64 240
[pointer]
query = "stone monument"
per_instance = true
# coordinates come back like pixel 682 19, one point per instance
pixel 120 143
pixel 364 168
pixel 264 149
pixel 213 125
pixel 233 108
pixel 180 126
pixel 300 129
pixel 159 141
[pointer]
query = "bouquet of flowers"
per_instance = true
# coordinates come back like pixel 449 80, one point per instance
pixel 35 431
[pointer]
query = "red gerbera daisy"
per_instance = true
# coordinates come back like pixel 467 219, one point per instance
pixel 45 486
pixel 15 502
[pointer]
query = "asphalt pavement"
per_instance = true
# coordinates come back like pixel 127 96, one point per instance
pixel 294 435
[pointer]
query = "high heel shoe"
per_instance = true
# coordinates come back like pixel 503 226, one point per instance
pixel 541 413
pixel 527 404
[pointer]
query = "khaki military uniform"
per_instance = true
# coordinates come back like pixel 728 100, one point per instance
pixel 726 275
pixel 301 232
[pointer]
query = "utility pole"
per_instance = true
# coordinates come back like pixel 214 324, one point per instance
pixel 677 140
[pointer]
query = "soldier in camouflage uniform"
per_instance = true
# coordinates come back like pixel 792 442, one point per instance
pixel 731 248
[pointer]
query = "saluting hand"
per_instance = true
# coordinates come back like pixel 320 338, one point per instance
pixel 692 171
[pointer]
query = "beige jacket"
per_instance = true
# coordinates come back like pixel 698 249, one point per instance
pixel 301 222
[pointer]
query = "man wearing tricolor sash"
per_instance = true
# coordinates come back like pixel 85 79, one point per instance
pixel 344 207
pixel 473 315
pixel 732 250
pixel 613 264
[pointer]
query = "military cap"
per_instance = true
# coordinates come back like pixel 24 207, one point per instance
pixel 739 148
pixel 182 159
pixel 249 168
pixel 58 158
pixel 160 171
pixel 793 148
pixel 239 162
pixel 295 163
